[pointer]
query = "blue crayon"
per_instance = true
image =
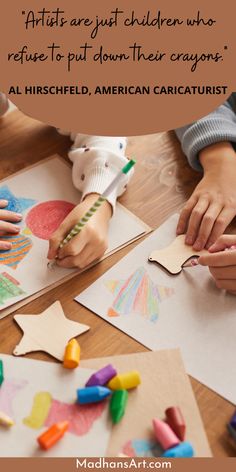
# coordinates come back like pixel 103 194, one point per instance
pixel 183 449
pixel 92 394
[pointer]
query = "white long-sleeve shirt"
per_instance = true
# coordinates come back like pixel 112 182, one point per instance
pixel 96 161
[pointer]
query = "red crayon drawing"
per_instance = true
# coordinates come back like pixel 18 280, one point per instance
pixel 80 417
pixel 8 391
pixel 45 218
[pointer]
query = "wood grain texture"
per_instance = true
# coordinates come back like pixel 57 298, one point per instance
pixel 162 182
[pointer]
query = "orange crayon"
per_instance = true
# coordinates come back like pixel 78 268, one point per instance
pixel 72 355
pixel 52 435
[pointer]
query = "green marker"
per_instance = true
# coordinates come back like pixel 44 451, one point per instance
pixel 1 372
pixel 102 198
pixel 118 405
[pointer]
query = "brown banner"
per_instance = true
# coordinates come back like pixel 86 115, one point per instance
pixel 114 464
pixel 115 68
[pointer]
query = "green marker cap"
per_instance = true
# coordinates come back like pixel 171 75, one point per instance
pixel 128 166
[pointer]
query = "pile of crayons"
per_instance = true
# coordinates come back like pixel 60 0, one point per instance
pixel 107 383
pixel 170 434
pixel 103 384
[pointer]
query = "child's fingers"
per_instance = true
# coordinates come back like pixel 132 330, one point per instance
pixel 54 243
pixel 185 215
pixel 6 227
pixel 229 285
pixel 224 218
pixel 223 242
pixel 10 216
pixel 206 226
pixel 218 259
pixel 5 246
pixel 56 239
pixel 81 261
pixel 3 203
pixel 75 246
pixel 222 273
pixel 195 220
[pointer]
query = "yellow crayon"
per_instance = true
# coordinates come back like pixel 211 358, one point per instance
pixel 72 355
pixel 125 381
pixel 5 420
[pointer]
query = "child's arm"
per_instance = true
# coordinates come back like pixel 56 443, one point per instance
pixel 8 219
pixel 96 161
pixel 222 263
pixel 207 144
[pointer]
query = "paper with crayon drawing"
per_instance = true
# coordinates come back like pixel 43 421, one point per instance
pixel 163 311
pixel 38 394
pixel 44 194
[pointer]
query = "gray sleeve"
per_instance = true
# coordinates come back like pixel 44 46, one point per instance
pixel 220 125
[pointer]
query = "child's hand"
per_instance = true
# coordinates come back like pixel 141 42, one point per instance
pixel 90 244
pixel 7 218
pixel 212 205
pixel 222 264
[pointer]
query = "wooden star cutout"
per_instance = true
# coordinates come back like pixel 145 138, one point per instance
pixel 173 257
pixel 49 331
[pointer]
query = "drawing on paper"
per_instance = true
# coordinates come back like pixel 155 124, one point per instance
pixel 137 295
pixel 8 391
pixel 142 448
pixel 16 204
pixel 9 288
pixel 45 218
pixel 41 406
pixel 46 411
pixel 21 245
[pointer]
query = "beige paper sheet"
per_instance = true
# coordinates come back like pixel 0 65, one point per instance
pixel 133 230
pixel 164 384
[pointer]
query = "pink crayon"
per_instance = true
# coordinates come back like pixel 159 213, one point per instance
pixel 164 434
pixel 102 376
pixel 191 263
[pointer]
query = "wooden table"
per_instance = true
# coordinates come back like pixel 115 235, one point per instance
pixel 163 181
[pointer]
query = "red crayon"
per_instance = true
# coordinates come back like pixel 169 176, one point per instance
pixel 176 421
pixel 52 435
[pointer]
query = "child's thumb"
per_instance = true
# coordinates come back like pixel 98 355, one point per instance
pixel 55 242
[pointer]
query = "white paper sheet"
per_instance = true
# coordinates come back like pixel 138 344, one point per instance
pixel 33 377
pixel 50 180
pixel 185 311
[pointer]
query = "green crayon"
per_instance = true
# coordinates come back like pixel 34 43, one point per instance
pixel 1 372
pixel 118 405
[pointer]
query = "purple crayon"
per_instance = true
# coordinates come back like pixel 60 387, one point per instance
pixel 102 376
pixel 233 421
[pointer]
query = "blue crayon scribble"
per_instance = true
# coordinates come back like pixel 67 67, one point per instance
pixel 15 204
pixel 142 448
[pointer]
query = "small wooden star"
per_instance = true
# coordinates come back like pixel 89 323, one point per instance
pixel 174 257
pixel 49 331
